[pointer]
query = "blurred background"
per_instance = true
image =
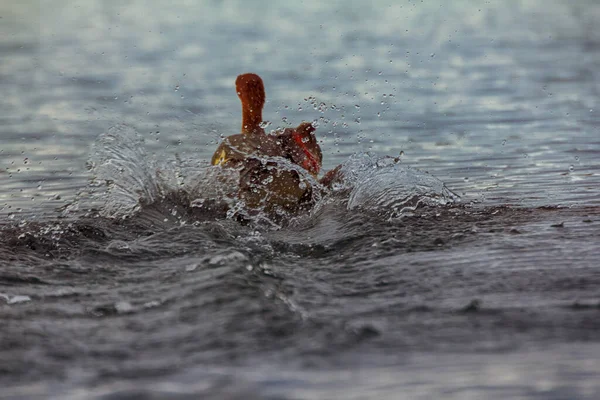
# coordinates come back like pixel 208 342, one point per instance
pixel 498 99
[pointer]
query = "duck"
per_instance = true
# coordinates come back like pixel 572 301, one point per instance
pixel 263 183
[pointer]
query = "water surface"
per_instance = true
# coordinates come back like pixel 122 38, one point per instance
pixel 495 296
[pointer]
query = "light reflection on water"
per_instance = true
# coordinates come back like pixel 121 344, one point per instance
pixel 504 95
pixel 501 101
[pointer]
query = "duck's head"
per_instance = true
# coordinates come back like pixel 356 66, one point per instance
pixel 302 148
pixel 251 91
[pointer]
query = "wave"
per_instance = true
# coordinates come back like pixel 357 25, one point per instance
pixel 125 180
pixel 383 184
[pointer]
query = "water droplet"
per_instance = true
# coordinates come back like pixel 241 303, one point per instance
pixel 432 55
pixel 571 168
pixel 357 106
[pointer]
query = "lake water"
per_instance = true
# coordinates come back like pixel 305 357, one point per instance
pixel 131 291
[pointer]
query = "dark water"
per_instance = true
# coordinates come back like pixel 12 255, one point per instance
pixel 134 290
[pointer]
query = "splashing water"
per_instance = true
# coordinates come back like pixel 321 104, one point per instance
pixel 120 162
pixel 133 180
pixel 382 184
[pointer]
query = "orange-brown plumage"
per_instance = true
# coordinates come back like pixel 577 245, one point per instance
pixel 251 91
pixel 262 184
